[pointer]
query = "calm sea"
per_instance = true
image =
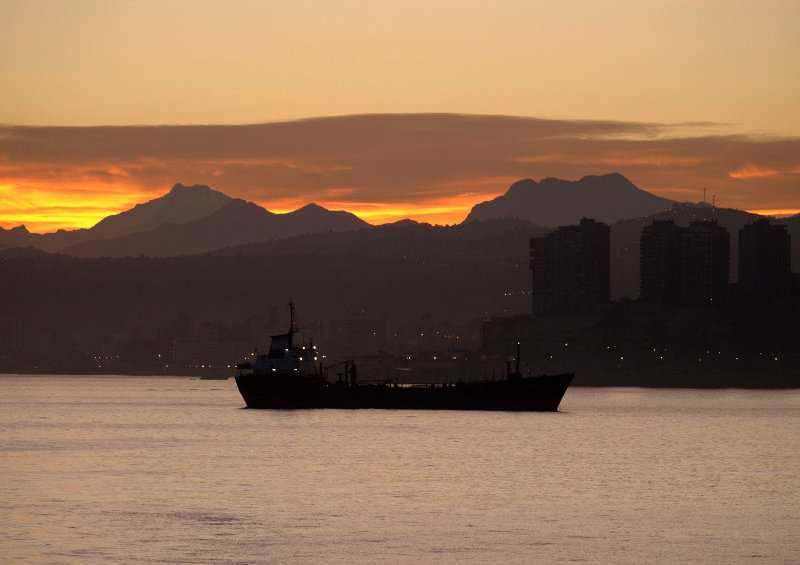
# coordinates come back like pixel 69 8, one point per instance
pixel 174 470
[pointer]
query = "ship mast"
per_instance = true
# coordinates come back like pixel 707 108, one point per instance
pixel 516 374
pixel 292 327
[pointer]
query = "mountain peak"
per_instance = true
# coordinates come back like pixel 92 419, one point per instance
pixel 405 222
pixel 607 178
pixel 610 176
pixel 312 207
pixel 193 190
pixel 521 186
pixel 553 202
pixel 180 205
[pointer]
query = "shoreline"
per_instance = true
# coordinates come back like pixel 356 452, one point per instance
pixel 585 382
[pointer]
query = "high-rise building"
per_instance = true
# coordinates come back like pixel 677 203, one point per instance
pixel 660 262
pixel 705 263
pixel 765 259
pixel 570 267
pixel 684 265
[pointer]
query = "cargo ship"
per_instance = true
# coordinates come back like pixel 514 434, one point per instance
pixel 292 376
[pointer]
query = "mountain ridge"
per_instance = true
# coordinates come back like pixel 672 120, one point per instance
pixel 186 220
pixel 238 222
pixel 198 219
pixel 180 205
pixel 553 202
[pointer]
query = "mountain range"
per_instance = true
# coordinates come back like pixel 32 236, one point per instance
pixel 199 266
pixel 197 219
pixel 185 221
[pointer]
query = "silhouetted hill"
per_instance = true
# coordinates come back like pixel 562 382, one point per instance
pixel 23 252
pixel 403 287
pixel 15 237
pixel 180 205
pixel 554 202
pixel 50 242
pixel 412 277
pixel 236 223
pixel 188 219
pixel 313 218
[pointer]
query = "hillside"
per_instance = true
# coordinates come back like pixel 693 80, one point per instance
pixel 554 202
pixel 182 204
pixel 236 223
pixel 186 220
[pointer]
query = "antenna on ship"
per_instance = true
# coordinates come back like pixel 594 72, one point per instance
pixel 516 373
pixel 292 327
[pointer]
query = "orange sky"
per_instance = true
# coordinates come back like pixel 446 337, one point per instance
pixel 93 62
pixel 431 167
pixel 675 97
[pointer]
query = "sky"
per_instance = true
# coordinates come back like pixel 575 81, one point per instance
pixel 107 104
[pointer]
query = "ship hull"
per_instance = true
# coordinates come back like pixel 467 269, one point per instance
pixel 542 394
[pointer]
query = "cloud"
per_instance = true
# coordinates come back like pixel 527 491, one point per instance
pixel 751 171
pixel 434 167
pixel 780 212
pixel 41 206
pixel 618 159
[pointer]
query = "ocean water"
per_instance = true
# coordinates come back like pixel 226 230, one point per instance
pixel 174 470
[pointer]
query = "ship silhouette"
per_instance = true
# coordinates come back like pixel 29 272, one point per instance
pixel 292 376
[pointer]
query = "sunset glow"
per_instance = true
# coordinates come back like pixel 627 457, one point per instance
pixel 429 168
pixel 779 213
pixel 750 171
pixel 45 208
pixel 299 281
pixel 426 103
